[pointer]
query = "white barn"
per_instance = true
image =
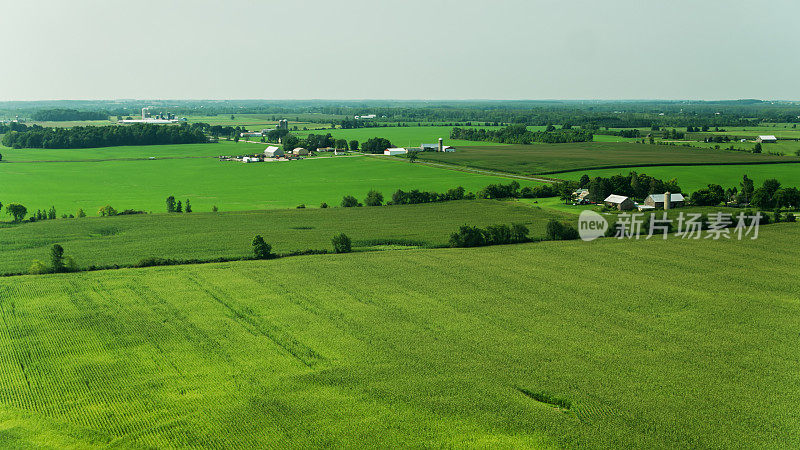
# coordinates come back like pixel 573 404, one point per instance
pixel 394 151
pixel 273 152
pixel 767 138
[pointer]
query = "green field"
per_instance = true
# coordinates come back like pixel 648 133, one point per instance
pixel 618 344
pixel 230 185
pixel 131 152
pixel 691 178
pixel 411 136
pixel 549 158
pixel 127 239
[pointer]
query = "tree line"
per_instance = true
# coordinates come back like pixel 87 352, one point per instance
pixel 519 134
pixel 63 114
pixel 106 136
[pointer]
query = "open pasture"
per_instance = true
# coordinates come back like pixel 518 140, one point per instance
pixel 514 346
pixel 554 158
pixel 411 136
pixel 125 240
pixel 144 185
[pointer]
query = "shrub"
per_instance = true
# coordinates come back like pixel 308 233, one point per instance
pixel 557 231
pixel 790 217
pixel 341 243
pixel 348 201
pixel 468 236
pixel 261 250
pixel 107 210
pixel 323 205
pixel 301 206
pixel 38 267
pixel 214 208
pixel 374 198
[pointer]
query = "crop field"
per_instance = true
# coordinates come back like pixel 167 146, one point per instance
pixel 549 158
pixel 145 184
pixel 127 239
pixel 513 346
pixel 131 152
pixel 411 136
pixel 691 178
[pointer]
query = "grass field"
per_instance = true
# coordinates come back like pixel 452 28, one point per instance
pixel 615 344
pixel 127 239
pixel 231 186
pixel 131 152
pixel 691 178
pixel 411 136
pixel 548 158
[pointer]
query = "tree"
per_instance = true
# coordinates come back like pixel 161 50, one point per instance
pixel 340 144
pixel 341 243
pixel 323 205
pixel 747 189
pixel 214 208
pixel 290 142
pixel 179 207
pixel 374 198
pixel 467 236
pixel 584 181
pixel 107 210
pixel 236 137
pixel 519 232
pixel 376 145
pixel 412 156
pixel 17 211
pixel 188 206
pixel 170 204
pixel 38 267
pixel 57 258
pixel 81 213
pixel 261 250
pixel 757 148
pixel 557 231
pixel 353 145
pixel 51 213
pixel 348 201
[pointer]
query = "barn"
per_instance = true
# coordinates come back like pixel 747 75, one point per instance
pixel 273 152
pixel 620 202
pixel 766 139
pixel 657 200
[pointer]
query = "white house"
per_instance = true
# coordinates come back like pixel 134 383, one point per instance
pixel 767 138
pixel 394 151
pixel 448 148
pixel 250 159
pixel 273 152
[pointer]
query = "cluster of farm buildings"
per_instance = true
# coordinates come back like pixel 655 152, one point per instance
pixel 439 147
pixel 624 203
pixel 276 153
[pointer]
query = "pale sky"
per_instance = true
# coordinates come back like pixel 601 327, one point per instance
pixel 399 49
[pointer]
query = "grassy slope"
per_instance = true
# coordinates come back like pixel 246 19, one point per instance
pixel 696 177
pixel 229 185
pixel 127 239
pixel 542 158
pixel 652 348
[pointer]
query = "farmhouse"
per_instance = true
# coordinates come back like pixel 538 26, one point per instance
pixel 273 152
pixel 326 149
pixel 620 202
pixel 657 200
pixel 300 151
pixel 250 159
pixel 580 194
pixel 394 151
pixel 448 148
pixel 767 139
pixel 251 134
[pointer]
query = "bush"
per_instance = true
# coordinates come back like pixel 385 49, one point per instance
pixel 348 201
pixel 468 236
pixel 301 206
pixel 323 205
pixel 374 198
pixel 261 250
pixel 557 231
pixel 341 243
pixel 790 217
pixel 38 267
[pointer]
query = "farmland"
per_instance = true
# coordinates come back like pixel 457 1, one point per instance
pixel 231 186
pixel 550 158
pixel 130 152
pixel 691 178
pixel 411 136
pixel 125 240
pixel 239 354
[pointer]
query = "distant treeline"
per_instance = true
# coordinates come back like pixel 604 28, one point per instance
pixel 107 136
pixel 61 115
pixel 519 134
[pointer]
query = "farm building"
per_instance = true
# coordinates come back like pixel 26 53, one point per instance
pixel 429 147
pixel 273 152
pixel 250 159
pixel 251 134
pixel 767 139
pixel 300 151
pixel 580 194
pixel 643 207
pixel 657 200
pixel 448 148
pixel 326 149
pixel 395 151
pixel 620 202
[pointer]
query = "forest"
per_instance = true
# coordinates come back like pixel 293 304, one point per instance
pixel 519 134
pixel 107 136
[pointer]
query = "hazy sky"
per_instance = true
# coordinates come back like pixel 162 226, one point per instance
pixel 400 49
